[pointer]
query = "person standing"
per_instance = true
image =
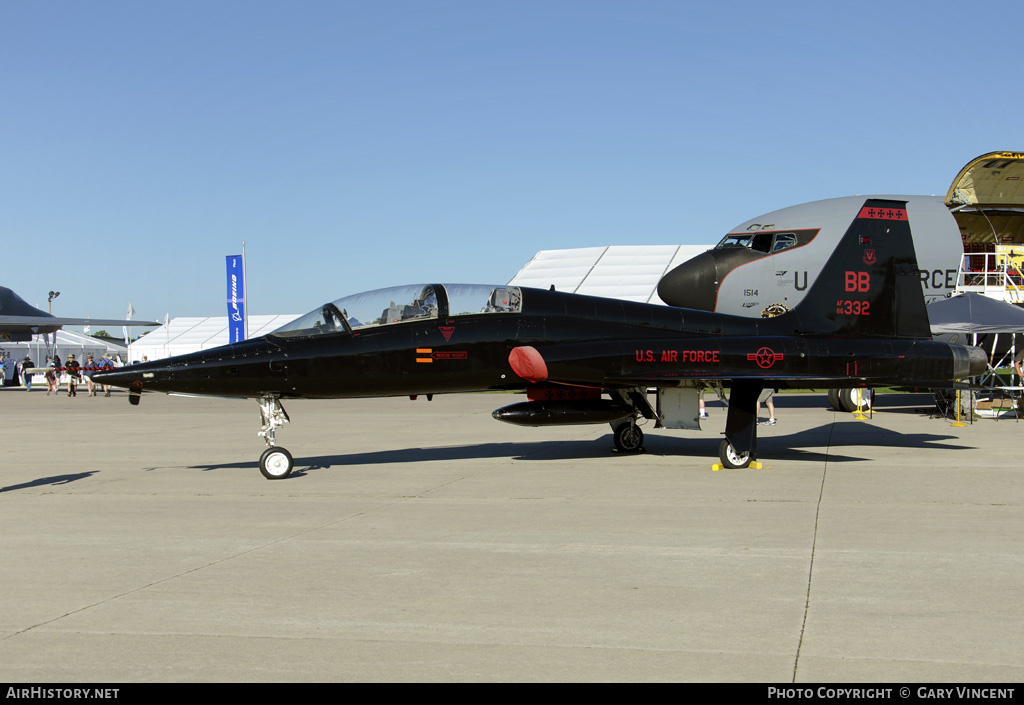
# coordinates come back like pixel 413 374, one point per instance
pixel 766 397
pixel 26 374
pixel 51 375
pixel 73 375
pixel 105 363
pixel 57 369
pixel 87 371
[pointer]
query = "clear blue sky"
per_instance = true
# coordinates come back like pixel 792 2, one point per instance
pixel 355 145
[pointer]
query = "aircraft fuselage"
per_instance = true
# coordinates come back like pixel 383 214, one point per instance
pixel 586 341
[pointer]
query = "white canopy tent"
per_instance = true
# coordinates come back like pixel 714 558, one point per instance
pixel 184 335
pixel 629 272
pixel 66 343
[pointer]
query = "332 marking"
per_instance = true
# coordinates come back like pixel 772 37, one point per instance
pixel 853 308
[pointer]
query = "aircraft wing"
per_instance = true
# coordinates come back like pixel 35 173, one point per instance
pixel 54 321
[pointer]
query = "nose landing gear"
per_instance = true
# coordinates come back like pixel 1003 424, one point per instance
pixel 276 463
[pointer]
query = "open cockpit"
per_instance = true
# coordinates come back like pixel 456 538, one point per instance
pixel 401 304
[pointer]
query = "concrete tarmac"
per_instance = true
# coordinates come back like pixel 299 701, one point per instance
pixel 424 541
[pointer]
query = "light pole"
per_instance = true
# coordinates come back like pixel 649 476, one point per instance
pixel 49 301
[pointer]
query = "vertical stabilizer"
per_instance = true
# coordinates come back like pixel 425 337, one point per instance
pixel 871 285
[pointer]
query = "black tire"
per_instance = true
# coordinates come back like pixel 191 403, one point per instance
pixel 833 400
pixel 730 458
pixel 628 438
pixel 848 399
pixel 276 463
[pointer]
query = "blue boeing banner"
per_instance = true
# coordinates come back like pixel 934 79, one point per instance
pixel 236 298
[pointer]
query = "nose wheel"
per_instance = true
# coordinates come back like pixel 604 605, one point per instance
pixel 276 463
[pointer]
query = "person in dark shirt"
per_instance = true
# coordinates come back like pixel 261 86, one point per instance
pixel 26 376
pixel 72 368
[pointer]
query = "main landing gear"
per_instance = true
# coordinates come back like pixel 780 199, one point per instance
pixel 628 436
pixel 731 458
pixel 276 463
pixel 739 449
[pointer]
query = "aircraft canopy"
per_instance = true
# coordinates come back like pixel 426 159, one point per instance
pixel 404 303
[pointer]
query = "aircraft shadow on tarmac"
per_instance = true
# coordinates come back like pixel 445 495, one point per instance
pixel 539 450
pixel 800 446
pixel 890 403
pixel 55 480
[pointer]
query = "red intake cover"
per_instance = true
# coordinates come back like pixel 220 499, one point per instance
pixel 527 362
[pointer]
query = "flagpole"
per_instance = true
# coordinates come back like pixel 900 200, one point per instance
pixel 124 329
pixel 245 295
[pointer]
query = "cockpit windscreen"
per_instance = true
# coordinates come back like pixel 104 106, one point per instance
pixel 759 242
pixel 400 304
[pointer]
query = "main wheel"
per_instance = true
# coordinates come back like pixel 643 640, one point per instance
pixel 730 458
pixel 848 399
pixel 276 463
pixel 833 400
pixel 628 438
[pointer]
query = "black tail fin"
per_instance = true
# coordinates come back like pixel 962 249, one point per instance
pixel 871 285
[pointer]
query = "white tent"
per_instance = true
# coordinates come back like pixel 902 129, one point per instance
pixel 184 335
pixel 629 272
pixel 67 342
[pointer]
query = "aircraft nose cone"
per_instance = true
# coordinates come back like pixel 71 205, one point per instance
pixel 978 362
pixel 693 284
pixel 118 377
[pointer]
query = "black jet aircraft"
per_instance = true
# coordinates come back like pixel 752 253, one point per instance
pixel 586 359
pixel 19 321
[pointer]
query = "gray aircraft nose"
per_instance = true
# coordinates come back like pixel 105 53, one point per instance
pixel 694 283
